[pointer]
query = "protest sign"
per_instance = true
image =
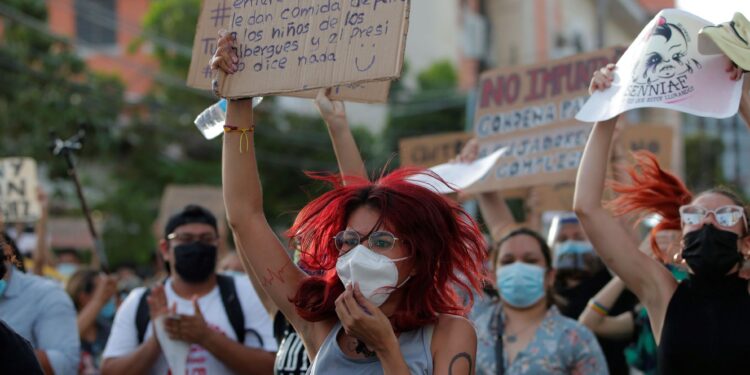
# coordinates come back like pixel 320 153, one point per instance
pixel 175 351
pixel 530 110
pixel 19 202
pixel 663 68
pixel 658 139
pixel 430 150
pixel 288 47
pixel 176 197
pixel 457 176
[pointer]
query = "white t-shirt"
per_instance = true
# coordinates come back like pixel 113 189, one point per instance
pixel 258 326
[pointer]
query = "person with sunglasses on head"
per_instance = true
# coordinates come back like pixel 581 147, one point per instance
pixel 388 251
pixel 701 325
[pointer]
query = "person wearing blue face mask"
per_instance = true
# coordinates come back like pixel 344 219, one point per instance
pixel 95 298
pixel 580 274
pixel 521 331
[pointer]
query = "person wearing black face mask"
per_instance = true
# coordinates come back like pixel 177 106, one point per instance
pixel 701 324
pixel 219 316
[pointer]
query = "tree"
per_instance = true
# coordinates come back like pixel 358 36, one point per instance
pixel 435 106
pixel 45 87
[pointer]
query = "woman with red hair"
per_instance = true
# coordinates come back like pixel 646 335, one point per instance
pixel 389 251
pixel 701 324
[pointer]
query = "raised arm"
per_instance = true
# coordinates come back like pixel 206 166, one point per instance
pixel 243 197
pixel 41 252
pixel 495 212
pixel 648 279
pixel 595 315
pixel 348 157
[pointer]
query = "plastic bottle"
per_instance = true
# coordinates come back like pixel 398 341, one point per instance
pixel 211 121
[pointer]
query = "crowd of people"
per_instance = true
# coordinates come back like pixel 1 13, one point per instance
pixel 385 276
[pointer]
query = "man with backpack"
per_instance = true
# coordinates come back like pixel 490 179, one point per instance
pixel 221 317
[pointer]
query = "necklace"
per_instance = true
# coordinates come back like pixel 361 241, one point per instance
pixel 512 338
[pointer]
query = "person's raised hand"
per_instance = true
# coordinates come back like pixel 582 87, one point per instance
pixel 106 288
pixel 333 112
pixel 602 78
pixel 735 72
pixel 157 302
pixel 469 152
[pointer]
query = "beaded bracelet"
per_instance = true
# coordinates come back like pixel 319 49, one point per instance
pixel 599 308
pixel 243 137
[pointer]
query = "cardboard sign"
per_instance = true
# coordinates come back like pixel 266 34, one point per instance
pixel 530 110
pixel 427 151
pixel 176 197
pixel 662 68
pixel 368 92
pixel 658 139
pixel 299 45
pixel 18 190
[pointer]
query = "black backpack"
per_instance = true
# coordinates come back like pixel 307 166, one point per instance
pixel 228 297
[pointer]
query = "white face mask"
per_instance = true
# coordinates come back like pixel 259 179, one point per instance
pixel 376 274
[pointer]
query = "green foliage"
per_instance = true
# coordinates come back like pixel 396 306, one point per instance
pixel 435 106
pixel 45 87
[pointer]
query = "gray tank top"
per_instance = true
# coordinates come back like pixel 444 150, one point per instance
pixel 415 347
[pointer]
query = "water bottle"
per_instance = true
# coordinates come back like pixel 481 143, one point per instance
pixel 211 121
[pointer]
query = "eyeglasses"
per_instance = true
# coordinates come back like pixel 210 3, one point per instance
pixel 205 238
pixel 726 216
pixel 378 241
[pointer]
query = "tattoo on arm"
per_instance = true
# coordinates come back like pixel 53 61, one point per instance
pixel 457 357
pixel 271 276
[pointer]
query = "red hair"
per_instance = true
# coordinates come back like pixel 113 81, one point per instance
pixel 444 241
pixel 652 191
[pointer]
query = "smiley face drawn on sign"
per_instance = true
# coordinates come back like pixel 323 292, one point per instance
pixel 368 66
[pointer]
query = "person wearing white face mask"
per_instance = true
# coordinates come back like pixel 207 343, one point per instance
pixel 521 331
pixel 409 320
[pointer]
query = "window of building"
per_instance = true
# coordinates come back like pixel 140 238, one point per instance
pixel 96 22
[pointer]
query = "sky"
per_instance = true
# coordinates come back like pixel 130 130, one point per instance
pixel 716 11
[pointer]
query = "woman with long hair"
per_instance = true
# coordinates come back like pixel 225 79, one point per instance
pixel 700 324
pixel 389 250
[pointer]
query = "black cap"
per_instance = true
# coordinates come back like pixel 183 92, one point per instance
pixel 192 213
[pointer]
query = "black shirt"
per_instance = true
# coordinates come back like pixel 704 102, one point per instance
pixel 16 353
pixel 576 299
pixel 707 327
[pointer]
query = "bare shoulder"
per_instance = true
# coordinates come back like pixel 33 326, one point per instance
pixel 454 345
pixel 449 325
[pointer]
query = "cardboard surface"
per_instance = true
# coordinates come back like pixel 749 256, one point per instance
pixel 430 150
pixel 663 68
pixel 19 202
pixel 176 197
pixel 367 92
pixel 290 46
pixel 530 110
pixel 659 139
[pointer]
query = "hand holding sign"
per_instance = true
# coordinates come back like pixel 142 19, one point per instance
pixel 663 68
pixel 290 47
pixel 333 112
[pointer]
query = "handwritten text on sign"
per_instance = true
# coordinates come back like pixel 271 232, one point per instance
pixel 287 46
pixel 531 111
pixel 18 190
